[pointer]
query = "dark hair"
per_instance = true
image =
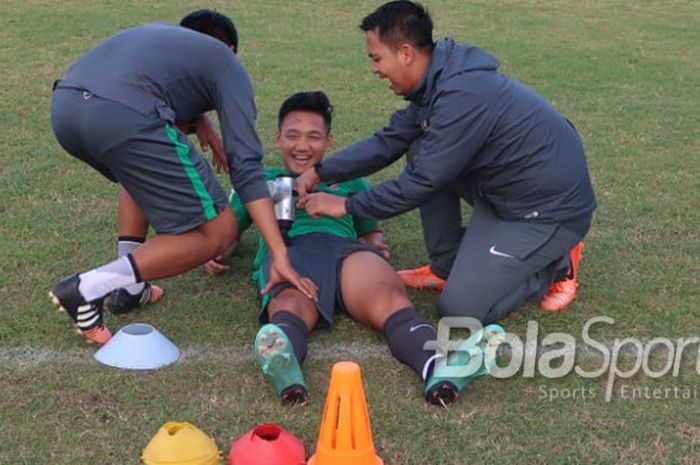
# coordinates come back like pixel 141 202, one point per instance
pixel 314 101
pixel 401 22
pixel 212 23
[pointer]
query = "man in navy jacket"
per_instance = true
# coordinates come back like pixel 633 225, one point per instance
pixel 471 133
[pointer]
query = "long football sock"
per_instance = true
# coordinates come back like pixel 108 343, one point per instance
pixel 100 281
pixel 406 332
pixel 296 331
pixel 125 246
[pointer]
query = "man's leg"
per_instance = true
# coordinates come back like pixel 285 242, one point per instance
pixel 133 227
pixel 297 315
pixel 280 346
pixel 160 257
pixel 441 218
pixel 502 264
pixel 171 183
pixel 374 295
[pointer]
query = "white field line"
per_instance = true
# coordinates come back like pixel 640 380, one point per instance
pixel 30 356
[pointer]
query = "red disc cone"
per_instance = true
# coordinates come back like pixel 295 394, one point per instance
pixel 267 444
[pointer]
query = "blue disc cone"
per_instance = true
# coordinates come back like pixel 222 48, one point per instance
pixel 138 346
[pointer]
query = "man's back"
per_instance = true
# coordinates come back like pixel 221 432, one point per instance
pixel 156 65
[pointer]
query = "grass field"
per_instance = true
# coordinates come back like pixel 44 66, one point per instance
pixel 627 73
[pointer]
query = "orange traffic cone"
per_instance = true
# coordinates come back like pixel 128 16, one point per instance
pixel 345 437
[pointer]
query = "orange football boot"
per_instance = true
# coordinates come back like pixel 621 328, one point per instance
pixel 422 278
pixel 563 292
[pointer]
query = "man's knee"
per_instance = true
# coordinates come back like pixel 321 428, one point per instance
pixel 292 301
pixel 451 304
pixel 221 231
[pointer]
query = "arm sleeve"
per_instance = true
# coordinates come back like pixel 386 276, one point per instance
pixel 460 123
pixel 372 154
pixel 235 105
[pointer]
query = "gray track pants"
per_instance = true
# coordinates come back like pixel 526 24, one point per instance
pixel 492 266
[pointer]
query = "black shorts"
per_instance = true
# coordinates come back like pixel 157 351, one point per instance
pixel 154 161
pixel 318 256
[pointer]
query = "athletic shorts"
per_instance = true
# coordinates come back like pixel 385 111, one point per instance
pixel 154 161
pixel 318 256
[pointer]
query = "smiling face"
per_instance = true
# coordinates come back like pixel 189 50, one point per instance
pixel 303 140
pixel 396 66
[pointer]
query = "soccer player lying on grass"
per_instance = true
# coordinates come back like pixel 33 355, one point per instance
pixel 346 259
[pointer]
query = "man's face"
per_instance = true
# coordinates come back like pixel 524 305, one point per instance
pixel 302 140
pixel 388 64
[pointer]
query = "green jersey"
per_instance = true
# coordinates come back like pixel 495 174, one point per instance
pixel 348 226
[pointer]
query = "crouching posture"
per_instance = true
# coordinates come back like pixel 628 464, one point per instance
pixel 346 258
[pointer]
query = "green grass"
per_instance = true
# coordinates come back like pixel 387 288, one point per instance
pixel 625 72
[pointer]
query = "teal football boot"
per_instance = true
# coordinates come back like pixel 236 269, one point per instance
pixel 275 355
pixel 473 359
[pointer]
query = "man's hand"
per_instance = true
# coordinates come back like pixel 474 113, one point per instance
pixel 216 266
pixel 209 138
pixel 376 239
pixel 281 271
pixel 322 204
pixel 305 184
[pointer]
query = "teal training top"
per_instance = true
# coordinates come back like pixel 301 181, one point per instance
pixel 348 226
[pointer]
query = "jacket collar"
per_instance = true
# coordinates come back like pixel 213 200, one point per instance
pixel 421 92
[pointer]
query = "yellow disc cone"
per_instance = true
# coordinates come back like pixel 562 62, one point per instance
pixel 181 443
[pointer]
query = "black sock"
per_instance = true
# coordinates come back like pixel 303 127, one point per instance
pixel 406 332
pixel 296 331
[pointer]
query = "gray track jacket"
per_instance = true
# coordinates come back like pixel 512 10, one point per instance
pixel 179 73
pixel 479 133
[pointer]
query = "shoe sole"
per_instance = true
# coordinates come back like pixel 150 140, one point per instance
pixel 486 340
pixel 61 309
pixel 558 309
pixel 54 300
pixel 272 352
pixel 424 287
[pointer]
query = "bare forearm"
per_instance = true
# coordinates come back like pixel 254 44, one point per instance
pixel 264 217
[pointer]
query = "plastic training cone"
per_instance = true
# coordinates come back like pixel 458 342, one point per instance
pixel 138 346
pixel 181 443
pixel 267 444
pixel 345 436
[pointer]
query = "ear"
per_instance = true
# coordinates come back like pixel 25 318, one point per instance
pixel 406 54
pixel 330 143
pixel 278 145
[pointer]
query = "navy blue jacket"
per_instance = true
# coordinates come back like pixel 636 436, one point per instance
pixel 478 133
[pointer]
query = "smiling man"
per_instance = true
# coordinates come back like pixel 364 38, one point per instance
pixel 476 135
pixel 345 257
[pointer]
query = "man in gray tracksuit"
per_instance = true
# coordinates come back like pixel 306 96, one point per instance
pixel 118 108
pixel 477 135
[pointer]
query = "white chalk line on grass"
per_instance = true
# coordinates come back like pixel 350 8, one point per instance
pixel 31 356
